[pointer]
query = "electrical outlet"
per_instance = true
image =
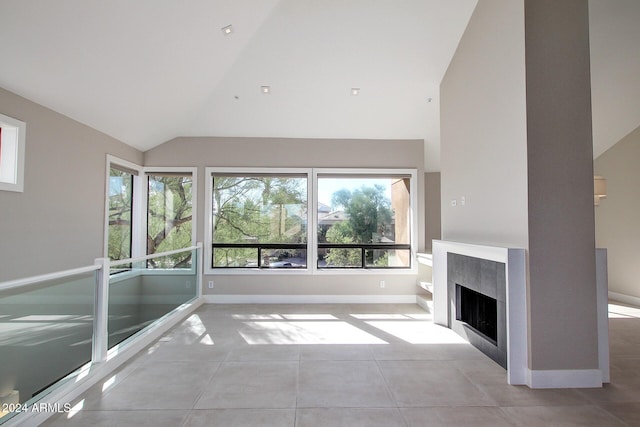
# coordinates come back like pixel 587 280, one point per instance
pixel 382 284
pixel 454 203
pixel 210 284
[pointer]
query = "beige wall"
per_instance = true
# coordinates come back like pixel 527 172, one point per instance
pixel 516 144
pixel 483 130
pixel 432 208
pixel 274 152
pixel 58 221
pixel 617 217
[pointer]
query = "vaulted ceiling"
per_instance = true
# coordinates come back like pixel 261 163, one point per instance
pixel 146 71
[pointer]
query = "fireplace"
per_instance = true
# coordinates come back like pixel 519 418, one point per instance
pixel 507 285
pixel 477 301
pixel 495 272
pixel 477 311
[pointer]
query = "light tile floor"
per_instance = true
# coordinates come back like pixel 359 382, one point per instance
pixel 343 365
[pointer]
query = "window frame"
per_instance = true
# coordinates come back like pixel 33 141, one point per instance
pixel 312 220
pixel 17 160
pixel 208 229
pixel 412 174
pixel 138 213
pixel 151 170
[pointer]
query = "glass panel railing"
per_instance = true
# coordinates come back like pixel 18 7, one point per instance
pixel 46 331
pixel 52 325
pixel 148 290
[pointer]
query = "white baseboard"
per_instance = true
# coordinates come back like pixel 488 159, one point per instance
pixel 627 299
pixel 573 378
pixel 309 299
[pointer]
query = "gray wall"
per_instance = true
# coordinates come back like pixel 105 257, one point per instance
pixel 58 221
pixel 562 285
pixel 432 208
pixel 617 219
pixel 516 143
pixel 274 152
pixel 483 130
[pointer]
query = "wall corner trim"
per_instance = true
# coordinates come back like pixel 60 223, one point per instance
pixel 573 378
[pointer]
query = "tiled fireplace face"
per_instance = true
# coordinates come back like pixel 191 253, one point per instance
pixel 487 278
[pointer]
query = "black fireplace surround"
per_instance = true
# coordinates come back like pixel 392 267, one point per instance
pixel 477 298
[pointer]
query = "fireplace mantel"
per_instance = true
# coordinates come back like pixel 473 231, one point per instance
pixel 515 274
pixel 518 371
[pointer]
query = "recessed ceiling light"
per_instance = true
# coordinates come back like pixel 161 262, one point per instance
pixel 227 30
pixel 355 91
pixel 265 89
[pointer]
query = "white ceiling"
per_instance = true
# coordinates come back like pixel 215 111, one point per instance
pixel 146 71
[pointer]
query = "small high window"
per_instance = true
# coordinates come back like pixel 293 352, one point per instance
pixel 12 150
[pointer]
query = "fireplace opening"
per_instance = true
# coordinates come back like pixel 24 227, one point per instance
pixel 478 311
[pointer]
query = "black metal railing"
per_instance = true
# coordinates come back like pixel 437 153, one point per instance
pixel 364 247
pixel 267 261
pixel 263 261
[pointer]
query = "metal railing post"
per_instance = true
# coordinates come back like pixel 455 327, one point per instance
pixel 100 312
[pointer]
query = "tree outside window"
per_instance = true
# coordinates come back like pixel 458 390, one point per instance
pixel 169 218
pixel 259 221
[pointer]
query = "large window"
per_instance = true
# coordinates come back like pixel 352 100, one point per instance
pixel 259 220
pixel 364 222
pixel 150 210
pixel 169 216
pixel 311 220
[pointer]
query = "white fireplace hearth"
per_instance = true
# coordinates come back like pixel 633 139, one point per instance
pixel 512 306
pixel 515 293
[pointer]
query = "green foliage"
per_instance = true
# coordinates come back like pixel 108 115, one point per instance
pixel 369 212
pixel 382 260
pixel 256 209
pixel 340 233
pixel 169 218
pixel 369 220
pixel 120 202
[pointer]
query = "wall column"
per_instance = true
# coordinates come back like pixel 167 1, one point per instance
pixel 562 277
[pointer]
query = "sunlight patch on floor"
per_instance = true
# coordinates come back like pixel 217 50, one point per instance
pixel 256 317
pixel 108 383
pixel 388 316
pixel 75 409
pixel 310 317
pixel 418 332
pixel 206 340
pixel 617 311
pixel 306 332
